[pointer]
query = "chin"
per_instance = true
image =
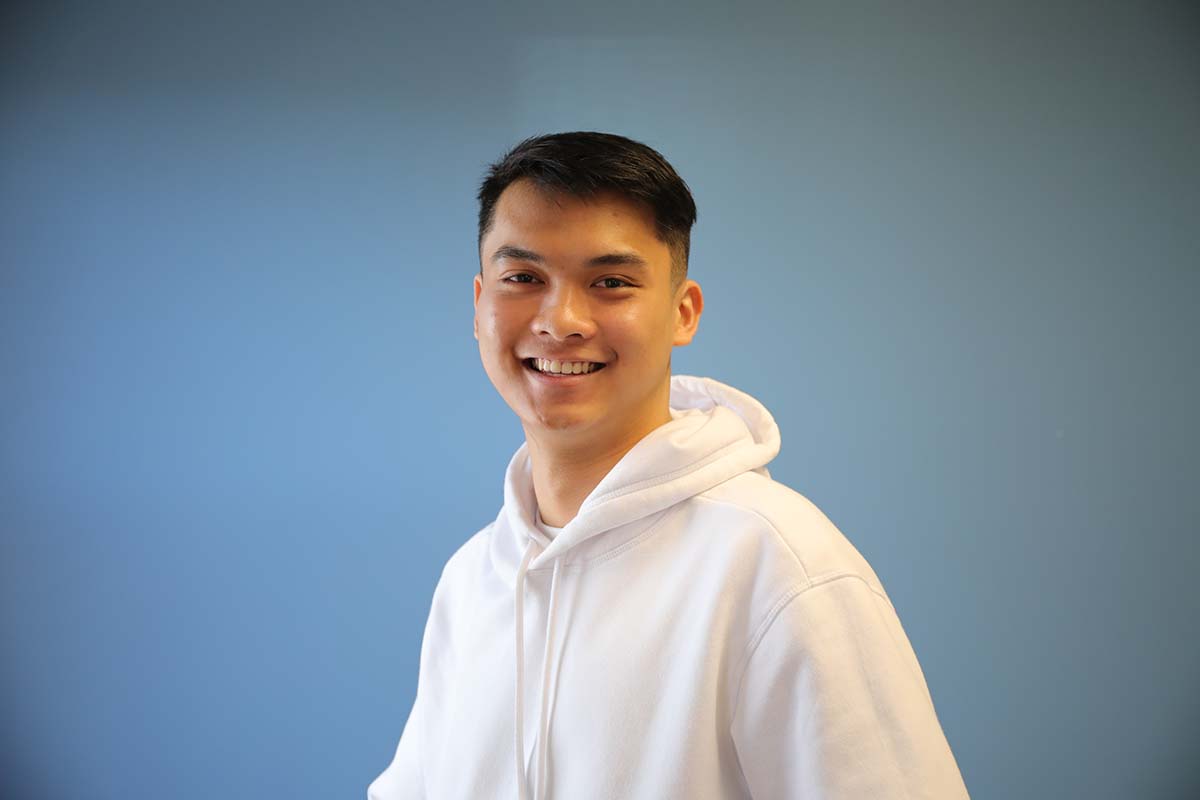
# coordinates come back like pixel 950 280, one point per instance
pixel 559 423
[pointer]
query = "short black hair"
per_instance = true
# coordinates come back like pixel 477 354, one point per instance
pixel 583 164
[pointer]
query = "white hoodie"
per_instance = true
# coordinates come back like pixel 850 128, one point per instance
pixel 697 631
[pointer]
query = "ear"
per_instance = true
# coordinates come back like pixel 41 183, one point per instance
pixel 690 304
pixel 478 289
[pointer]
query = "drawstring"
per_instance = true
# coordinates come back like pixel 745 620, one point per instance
pixel 544 730
pixel 522 789
pixel 544 707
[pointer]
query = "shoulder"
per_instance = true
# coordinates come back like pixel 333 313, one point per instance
pixel 469 557
pixel 459 581
pixel 803 545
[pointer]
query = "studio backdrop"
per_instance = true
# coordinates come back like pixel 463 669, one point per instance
pixel 243 422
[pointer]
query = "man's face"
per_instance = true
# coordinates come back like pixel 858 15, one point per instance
pixel 577 280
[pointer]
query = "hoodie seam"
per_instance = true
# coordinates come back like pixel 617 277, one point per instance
pixel 807 580
pixel 764 627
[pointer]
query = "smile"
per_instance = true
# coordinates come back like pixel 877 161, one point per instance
pixel 560 377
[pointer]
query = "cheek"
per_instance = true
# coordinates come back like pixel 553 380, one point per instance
pixel 499 319
pixel 491 325
pixel 497 343
pixel 639 332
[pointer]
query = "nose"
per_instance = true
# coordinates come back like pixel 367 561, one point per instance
pixel 565 312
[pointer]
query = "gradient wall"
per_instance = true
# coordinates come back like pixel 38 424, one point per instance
pixel 953 247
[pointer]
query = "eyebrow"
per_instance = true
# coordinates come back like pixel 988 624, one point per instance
pixel 606 260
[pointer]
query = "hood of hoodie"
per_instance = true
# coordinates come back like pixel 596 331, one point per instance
pixel 716 433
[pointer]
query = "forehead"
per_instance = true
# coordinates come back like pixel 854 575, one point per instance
pixel 555 218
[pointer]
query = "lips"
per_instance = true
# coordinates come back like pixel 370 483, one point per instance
pixel 563 359
pixel 596 365
pixel 528 363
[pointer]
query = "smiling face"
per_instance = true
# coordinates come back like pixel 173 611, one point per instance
pixel 580 280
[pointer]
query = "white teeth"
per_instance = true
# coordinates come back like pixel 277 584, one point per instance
pixel 564 367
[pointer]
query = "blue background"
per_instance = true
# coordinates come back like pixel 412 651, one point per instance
pixel 952 247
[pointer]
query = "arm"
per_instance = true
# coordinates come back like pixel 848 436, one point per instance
pixel 403 779
pixel 833 705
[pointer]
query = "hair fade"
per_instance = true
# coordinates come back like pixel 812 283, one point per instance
pixel 585 163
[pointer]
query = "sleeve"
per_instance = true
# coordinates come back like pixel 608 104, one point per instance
pixel 833 705
pixel 403 779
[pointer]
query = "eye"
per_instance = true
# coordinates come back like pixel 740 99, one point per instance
pixel 509 279
pixel 621 281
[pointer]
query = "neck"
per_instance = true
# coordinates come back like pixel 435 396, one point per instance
pixel 565 470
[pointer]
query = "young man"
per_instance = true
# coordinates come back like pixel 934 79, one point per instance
pixel 650 615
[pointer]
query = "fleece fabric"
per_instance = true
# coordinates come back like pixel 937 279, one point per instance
pixel 698 630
